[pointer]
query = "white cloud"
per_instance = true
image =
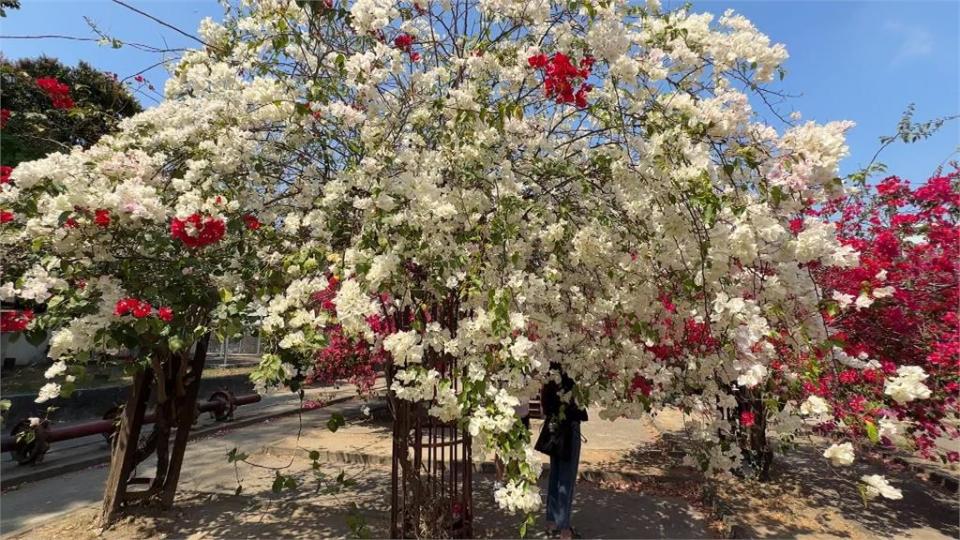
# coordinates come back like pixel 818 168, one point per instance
pixel 914 41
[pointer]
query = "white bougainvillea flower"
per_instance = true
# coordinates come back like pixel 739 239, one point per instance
pixel 876 485
pixel 839 454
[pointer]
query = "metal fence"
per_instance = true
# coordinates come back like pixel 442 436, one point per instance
pixel 233 351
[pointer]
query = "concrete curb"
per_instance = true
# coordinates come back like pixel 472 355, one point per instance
pixel 10 482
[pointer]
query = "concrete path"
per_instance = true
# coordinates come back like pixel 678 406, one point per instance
pixel 205 468
pixel 71 455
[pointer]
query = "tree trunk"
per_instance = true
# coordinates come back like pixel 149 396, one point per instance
pixel 176 384
pixel 124 454
pixel 188 383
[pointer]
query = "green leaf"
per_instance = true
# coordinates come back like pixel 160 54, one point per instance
pixel 314 455
pixel 235 455
pixel 529 520
pixel 175 343
pixel 282 481
pixel 278 482
pixel 872 432
pixel 35 337
pixel 225 295
pixel 336 422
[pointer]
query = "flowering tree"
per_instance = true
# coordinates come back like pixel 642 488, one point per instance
pixel 47 107
pixel 148 241
pixel 524 189
pixel 497 186
pixel 890 373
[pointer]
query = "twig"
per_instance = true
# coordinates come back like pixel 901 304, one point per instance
pixel 164 23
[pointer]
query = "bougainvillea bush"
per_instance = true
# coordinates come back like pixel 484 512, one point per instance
pixel 891 373
pixel 47 107
pixel 499 185
pixel 151 238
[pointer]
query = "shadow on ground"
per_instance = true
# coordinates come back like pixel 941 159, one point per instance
pixel 808 496
pixel 600 513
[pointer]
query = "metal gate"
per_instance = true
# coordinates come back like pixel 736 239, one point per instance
pixel 432 472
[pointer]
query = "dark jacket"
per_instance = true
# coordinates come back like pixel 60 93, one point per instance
pixel 551 402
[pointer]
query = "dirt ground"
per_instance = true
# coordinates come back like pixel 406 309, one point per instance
pixel 302 513
pixel 801 503
pixel 807 498
pixel 656 498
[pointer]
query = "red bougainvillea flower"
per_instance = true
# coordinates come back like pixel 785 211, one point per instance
pixel 907 239
pixel 197 230
pixel 71 223
pixel 124 306
pixel 344 357
pixel 251 222
pixel 5 216
pixel 4 117
pixel 538 61
pixel 403 42
pixel 141 310
pixel 562 77
pixel 58 92
pixel 101 217
pixel 5 172
pixel 641 384
pixel 326 296
pixel 15 321
pixel 310 404
pixel 747 418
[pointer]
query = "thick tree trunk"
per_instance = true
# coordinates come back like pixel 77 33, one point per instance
pixel 124 454
pixel 175 381
pixel 188 382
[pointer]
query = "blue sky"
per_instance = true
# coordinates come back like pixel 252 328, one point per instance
pixel 856 60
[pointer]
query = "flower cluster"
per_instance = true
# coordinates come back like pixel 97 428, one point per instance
pixel 477 231
pixel 891 375
pixel 561 76
pixel 58 92
pixel 140 309
pixel 196 230
pixel 15 320
pixel 404 42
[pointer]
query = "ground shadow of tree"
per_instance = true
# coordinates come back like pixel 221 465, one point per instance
pixel 806 495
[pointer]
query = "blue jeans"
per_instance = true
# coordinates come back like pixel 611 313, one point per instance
pixel 563 478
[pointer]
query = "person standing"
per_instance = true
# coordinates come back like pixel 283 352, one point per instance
pixel 560 439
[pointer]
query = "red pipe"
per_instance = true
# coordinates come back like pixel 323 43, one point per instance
pixel 84 429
